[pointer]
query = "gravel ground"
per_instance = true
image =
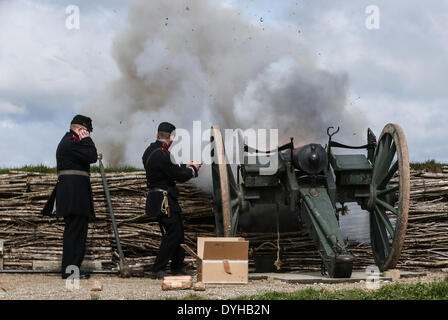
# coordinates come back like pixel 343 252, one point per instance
pixel 52 287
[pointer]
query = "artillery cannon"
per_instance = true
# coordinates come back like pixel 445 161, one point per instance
pixel 312 180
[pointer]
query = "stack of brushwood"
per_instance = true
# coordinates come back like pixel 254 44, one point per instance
pixel 29 236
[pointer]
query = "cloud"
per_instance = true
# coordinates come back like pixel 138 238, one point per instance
pixel 7 124
pixel 33 142
pixel 395 74
pixel 48 71
pixel 9 108
pixel 424 124
pixel 43 58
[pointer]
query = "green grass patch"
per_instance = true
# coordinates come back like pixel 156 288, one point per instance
pixel 430 165
pixel 437 290
pixel 45 169
pixel 190 296
pixel 121 169
pixel 38 168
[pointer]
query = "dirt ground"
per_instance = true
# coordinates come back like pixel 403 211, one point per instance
pixel 52 287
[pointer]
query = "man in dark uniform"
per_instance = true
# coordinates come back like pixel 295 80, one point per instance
pixel 73 193
pixel 162 174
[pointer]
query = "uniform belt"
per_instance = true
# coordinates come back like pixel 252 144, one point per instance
pixel 73 172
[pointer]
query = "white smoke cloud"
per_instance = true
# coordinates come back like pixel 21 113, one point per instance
pixel 182 61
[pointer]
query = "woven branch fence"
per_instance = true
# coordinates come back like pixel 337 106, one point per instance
pixel 30 237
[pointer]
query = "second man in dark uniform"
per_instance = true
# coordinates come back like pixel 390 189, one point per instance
pixel 162 202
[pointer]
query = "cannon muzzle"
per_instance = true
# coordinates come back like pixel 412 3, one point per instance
pixel 311 158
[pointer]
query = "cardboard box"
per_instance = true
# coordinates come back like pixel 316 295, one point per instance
pixel 221 260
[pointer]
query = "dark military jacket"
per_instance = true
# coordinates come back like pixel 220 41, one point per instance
pixel 163 173
pixel 73 193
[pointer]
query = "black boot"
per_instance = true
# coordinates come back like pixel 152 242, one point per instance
pixel 182 271
pixel 158 275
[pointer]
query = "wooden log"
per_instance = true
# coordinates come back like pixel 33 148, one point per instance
pixel 177 282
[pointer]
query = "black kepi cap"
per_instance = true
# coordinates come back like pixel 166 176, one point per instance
pixel 84 121
pixel 166 127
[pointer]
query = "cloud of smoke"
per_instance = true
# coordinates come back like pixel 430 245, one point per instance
pixel 182 61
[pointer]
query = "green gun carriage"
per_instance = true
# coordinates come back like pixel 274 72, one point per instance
pixel 312 180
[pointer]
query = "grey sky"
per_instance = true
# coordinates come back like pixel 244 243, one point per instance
pixel 396 74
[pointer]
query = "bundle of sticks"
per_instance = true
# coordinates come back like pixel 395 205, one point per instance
pixel 28 236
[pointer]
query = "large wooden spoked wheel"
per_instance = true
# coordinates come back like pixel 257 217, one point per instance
pixel 389 200
pixel 222 187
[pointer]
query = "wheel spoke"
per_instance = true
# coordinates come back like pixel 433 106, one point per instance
pixel 235 219
pixel 234 203
pixel 381 240
pixel 383 165
pixel 378 158
pixel 386 206
pixel 390 156
pixel 388 141
pixel 385 219
pixel 387 190
pixel 390 174
pixel 381 157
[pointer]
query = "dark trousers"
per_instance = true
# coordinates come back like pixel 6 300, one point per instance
pixel 74 245
pixel 172 229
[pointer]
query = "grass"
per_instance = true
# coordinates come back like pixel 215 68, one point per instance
pixel 38 168
pixel 437 290
pixel 121 169
pixel 430 165
pixel 95 297
pixel 45 169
